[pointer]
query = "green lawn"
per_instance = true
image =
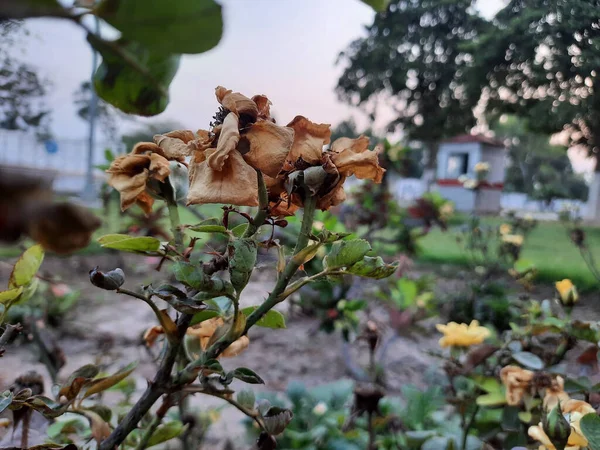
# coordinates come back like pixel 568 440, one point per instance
pixel 548 246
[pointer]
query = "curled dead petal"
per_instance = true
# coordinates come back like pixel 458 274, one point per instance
pixel 281 206
pixel 334 197
pixel 129 186
pixel 175 144
pixel 237 347
pixel 309 139
pixel 145 201
pixel 62 227
pixel 268 146
pixel 235 184
pixel 228 141
pixel 236 103
pixel 152 334
pixel 146 148
pixel 203 141
pixel 264 106
pixel 130 164
pixel 352 157
pixel 159 167
pixel 358 145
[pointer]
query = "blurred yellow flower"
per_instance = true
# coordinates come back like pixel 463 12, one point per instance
pixel 567 291
pixel 513 239
pixel 462 335
pixel 482 167
pixel 505 228
pixel 446 210
pixel 517 382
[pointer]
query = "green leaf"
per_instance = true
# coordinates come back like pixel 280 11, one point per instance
pixel 184 26
pixel 523 265
pixel 104 383
pixel 5 400
pixel 487 384
pixel 346 253
pixel 140 85
pixel 239 230
pixel 209 229
pixel 590 427
pixel 165 433
pixel 377 5
pixel 128 243
pixel 528 360
pixel 26 267
pixel 373 267
pixel 202 316
pixel 492 399
pixel 189 275
pixel 246 398
pixel 272 319
pixel 212 366
pixel 247 376
pixel 11 295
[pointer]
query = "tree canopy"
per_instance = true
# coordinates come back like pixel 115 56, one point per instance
pixel 22 90
pixel 540 61
pixel 415 56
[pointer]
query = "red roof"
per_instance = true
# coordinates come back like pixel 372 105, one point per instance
pixel 467 138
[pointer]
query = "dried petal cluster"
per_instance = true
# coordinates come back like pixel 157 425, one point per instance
pixel 224 160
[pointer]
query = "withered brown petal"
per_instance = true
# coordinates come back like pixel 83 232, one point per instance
pixel 63 227
pixel 175 144
pixel 130 187
pixel 333 198
pixel 159 167
pixel 236 103
pixel 130 164
pixel 351 157
pixel 146 148
pixel 309 139
pixel 228 141
pixel 269 145
pixel 264 106
pixel 235 184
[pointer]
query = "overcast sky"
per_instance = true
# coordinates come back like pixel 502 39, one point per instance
pixel 285 49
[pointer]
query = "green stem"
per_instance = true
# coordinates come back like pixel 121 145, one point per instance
pixel 189 373
pixel 143 298
pixel 468 426
pixel 292 266
pixel 263 207
pixel 175 224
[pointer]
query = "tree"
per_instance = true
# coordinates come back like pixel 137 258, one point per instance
pixel 539 169
pixel 22 91
pixel 416 53
pixel 541 61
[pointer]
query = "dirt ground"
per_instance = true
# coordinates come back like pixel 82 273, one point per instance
pixel 106 328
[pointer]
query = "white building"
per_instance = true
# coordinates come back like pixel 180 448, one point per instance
pixel 457 157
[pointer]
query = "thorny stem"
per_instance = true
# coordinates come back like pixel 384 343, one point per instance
pixel 157 387
pixel 263 205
